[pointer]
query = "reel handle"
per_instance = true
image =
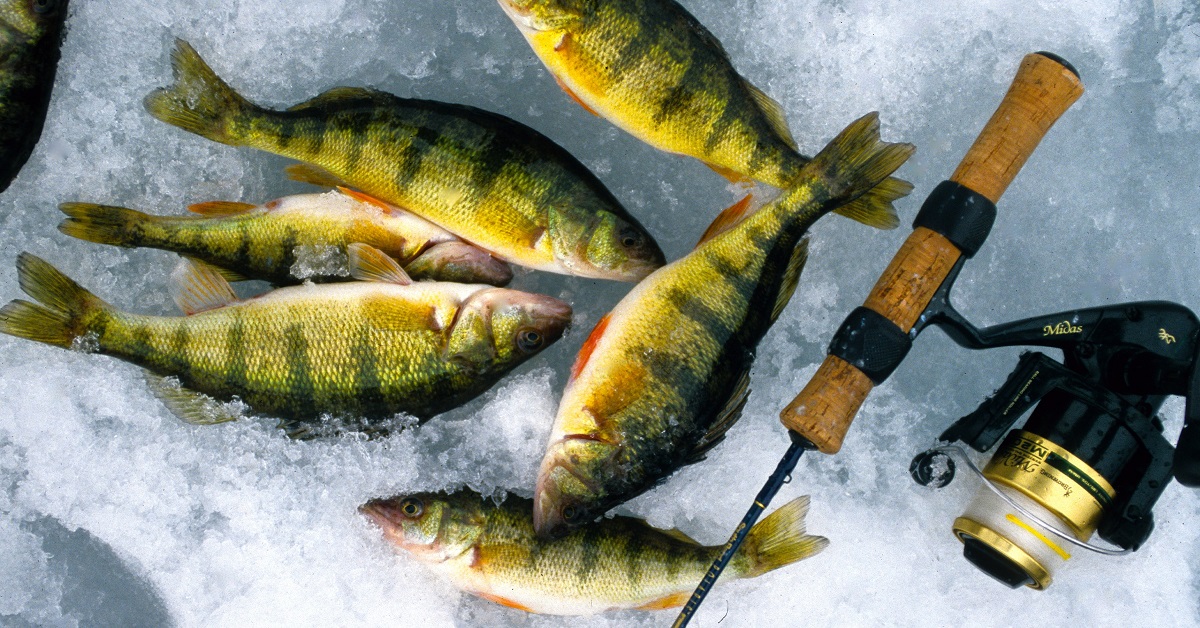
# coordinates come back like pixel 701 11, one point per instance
pixel 1044 88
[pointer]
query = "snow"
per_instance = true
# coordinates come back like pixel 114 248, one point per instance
pixel 114 512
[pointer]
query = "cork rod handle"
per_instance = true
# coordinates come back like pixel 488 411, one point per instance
pixel 1044 88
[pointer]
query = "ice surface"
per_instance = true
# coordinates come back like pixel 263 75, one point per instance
pixel 235 524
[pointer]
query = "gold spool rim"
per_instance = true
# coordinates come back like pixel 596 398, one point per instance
pixel 970 527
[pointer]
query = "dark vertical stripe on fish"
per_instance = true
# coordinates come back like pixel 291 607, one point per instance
pixel 300 384
pixel 694 308
pixel 633 558
pixel 235 344
pixel 592 537
pixel 366 375
pixel 178 357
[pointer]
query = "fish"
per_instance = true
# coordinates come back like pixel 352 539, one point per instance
pixel 653 70
pixel 292 239
pixel 491 550
pixel 664 375
pixel 488 179
pixel 31 34
pixel 354 352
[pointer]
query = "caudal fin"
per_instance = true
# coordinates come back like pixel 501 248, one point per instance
pixel 856 167
pixel 62 313
pixel 103 224
pixel 199 101
pixel 780 540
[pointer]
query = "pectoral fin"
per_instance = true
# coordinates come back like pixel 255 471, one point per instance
pixel 198 287
pixel 368 263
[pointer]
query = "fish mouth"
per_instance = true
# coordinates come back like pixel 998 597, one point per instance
pixel 384 513
pixel 521 16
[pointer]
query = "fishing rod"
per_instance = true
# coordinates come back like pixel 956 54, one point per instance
pixel 951 226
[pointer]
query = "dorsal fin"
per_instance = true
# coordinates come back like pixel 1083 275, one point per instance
pixel 791 277
pixel 589 345
pixel 221 209
pixel 189 405
pixel 341 95
pixel 368 263
pixel 198 287
pixel 674 533
pixel 363 197
pixel 727 219
pixel 774 112
pixel 724 419
pixel 316 175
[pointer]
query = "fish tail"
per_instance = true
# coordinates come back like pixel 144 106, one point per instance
pixel 780 540
pixel 856 168
pixel 105 224
pixel 64 310
pixel 199 101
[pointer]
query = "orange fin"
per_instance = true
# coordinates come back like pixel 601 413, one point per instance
pixel 589 345
pixel 316 175
pixel 198 287
pixel 368 263
pixel 506 602
pixel 363 197
pixel 730 175
pixel 727 220
pixel 220 209
pixel 674 600
pixel 576 98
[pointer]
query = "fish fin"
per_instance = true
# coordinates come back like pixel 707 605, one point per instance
pixel 199 287
pixel 190 406
pixel 589 345
pixel 874 208
pixel 674 600
pixel 461 263
pixel 336 96
pixel 727 219
pixel 729 414
pixel 855 169
pixel 199 101
pixel 503 601
pixel 730 175
pixel 221 209
pixel 774 112
pixel 103 224
pixel 368 263
pixel 63 311
pixel 230 275
pixel 363 197
pixel 579 101
pixel 780 540
pixel 297 430
pixel 791 278
pixel 316 175
pixel 674 533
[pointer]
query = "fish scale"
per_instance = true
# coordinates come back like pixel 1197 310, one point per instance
pixel 31 34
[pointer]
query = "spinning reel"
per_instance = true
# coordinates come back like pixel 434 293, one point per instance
pixel 1091 458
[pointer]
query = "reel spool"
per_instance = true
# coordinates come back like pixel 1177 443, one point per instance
pixel 1091 458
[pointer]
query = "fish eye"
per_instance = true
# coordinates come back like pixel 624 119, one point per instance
pixel 412 507
pixel 571 514
pixel 529 340
pixel 44 6
pixel 630 238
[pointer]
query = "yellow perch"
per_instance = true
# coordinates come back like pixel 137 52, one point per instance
pixel 666 373
pixel 619 563
pixel 652 69
pixel 488 179
pixel 353 352
pixel 292 239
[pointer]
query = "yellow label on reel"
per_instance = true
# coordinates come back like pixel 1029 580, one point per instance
pixel 1053 477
